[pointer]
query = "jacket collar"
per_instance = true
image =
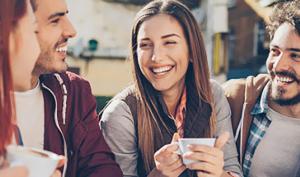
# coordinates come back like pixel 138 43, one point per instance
pixel 58 86
pixel 261 105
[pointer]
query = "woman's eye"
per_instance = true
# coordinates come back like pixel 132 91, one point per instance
pixel 170 42
pixel 145 45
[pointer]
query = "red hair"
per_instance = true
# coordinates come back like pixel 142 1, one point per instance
pixel 11 11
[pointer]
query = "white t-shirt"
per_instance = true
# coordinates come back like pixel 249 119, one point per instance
pixel 278 154
pixel 30 116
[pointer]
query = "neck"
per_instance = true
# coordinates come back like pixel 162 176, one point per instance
pixel 172 98
pixel 19 88
pixel 290 111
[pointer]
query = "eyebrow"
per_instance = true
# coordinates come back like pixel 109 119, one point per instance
pixel 58 14
pixel 288 49
pixel 293 49
pixel 163 37
pixel 170 35
pixel 145 39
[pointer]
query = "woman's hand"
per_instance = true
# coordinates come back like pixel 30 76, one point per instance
pixel 210 160
pixel 168 162
pixel 17 171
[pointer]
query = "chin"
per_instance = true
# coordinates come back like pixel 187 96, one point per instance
pixel 60 69
pixel 161 88
pixel 284 100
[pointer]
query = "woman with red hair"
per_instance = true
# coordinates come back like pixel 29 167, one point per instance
pixel 19 50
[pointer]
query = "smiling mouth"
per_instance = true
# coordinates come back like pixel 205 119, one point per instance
pixel 284 79
pixel 62 49
pixel 161 70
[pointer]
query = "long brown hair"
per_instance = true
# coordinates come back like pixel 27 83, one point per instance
pixel 10 12
pixel 149 119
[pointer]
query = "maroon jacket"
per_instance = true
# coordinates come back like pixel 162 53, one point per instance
pixel 72 129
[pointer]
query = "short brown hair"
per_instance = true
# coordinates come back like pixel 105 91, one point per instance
pixel 285 11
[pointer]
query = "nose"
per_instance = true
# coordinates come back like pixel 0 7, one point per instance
pixel 157 54
pixel 281 63
pixel 69 30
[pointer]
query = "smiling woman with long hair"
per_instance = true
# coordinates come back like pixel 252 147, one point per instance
pixel 172 97
pixel 19 50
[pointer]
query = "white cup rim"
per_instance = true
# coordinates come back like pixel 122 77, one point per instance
pixel 196 139
pixel 21 149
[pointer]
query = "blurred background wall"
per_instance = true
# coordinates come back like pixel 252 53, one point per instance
pixel 234 32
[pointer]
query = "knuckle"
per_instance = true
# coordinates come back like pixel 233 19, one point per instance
pixel 203 156
pixel 199 174
pixel 160 167
pixel 178 163
pixel 222 164
pixel 205 166
pixel 222 154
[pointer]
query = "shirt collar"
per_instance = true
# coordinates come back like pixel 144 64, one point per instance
pixel 182 104
pixel 261 105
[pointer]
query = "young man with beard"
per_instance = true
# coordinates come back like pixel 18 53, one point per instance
pixel 269 105
pixel 59 112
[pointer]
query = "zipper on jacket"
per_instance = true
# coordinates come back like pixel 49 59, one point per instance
pixel 57 125
pixel 65 94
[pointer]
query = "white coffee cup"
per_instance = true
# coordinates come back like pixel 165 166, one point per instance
pixel 40 163
pixel 184 142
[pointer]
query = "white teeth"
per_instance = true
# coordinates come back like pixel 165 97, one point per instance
pixel 161 69
pixel 284 79
pixel 62 49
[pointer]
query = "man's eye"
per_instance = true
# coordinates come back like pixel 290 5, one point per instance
pixel 295 56
pixel 55 21
pixel 274 52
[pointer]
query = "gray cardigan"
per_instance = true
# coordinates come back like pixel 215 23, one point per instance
pixel 118 127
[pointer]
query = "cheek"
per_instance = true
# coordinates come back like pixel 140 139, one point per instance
pixel 184 60
pixel 48 38
pixel 143 59
pixel 269 64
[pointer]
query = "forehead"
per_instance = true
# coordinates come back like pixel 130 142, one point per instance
pixel 48 7
pixel 160 25
pixel 286 36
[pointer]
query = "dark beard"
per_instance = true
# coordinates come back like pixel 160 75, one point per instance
pixel 280 91
pixel 284 102
pixel 287 102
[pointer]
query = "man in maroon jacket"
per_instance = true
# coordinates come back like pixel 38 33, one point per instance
pixel 59 112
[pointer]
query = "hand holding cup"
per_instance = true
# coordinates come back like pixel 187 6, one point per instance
pixel 168 162
pixel 209 161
